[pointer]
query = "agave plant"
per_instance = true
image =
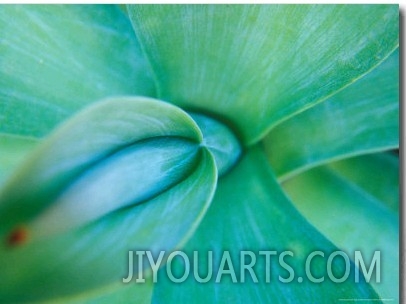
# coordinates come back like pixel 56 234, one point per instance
pixel 247 129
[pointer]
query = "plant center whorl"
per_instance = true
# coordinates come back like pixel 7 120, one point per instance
pixel 220 140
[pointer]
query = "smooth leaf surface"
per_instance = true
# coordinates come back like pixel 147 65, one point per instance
pixel 256 65
pixel 377 174
pixel 13 150
pixel 95 258
pixel 56 59
pixel 352 219
pixel 362 118
pixel 220 140
pixel 250 212
pixel 102 135
pixel 132 176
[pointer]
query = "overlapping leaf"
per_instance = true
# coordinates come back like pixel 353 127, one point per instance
pixel 95 257
pixel 353 217
pixel 255 65
pixel 376 173
pixel 250 66
pixel 256 216
pixel 69 196
pixel 96 149
pixel 220 140
pixel 362 118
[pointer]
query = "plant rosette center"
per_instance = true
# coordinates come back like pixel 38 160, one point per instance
pixel 220 141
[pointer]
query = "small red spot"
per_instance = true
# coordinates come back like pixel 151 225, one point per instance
pixel 17 237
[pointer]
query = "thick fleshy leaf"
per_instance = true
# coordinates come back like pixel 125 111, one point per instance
pixel 78 169
pixel 131 176
pixel 362 118
pixel 256 65
pixel 352 219
pixel 55 59
pixel 94 258
pixel 250 212
pixel 13 150
pixel 220 140
pixel 377 174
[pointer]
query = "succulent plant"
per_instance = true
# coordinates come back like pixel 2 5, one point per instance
pixel 269 132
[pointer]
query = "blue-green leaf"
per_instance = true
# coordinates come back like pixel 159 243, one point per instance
pixel 353 219
pixel 56 59
pixel 71 192
pixel 220 140
pixel 117 152
pixel 377 174
pixel 362 118
pixel 250 212
pixel 256 65
pixel 93 259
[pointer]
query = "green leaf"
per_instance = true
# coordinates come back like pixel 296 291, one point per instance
pixel 250 212
pixel 114 153
pixel 136 293
pixel 377 174
pixel 93 259
pixel 56 59
pixel 13 150
pixel 138 173
pixel 362 118
pixel 220 140
pixel 352 219
pixel 256 65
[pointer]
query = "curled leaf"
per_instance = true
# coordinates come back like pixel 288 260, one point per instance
pixel 94 258
pixel 220 140
pixel 77 199
pixel 118 152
